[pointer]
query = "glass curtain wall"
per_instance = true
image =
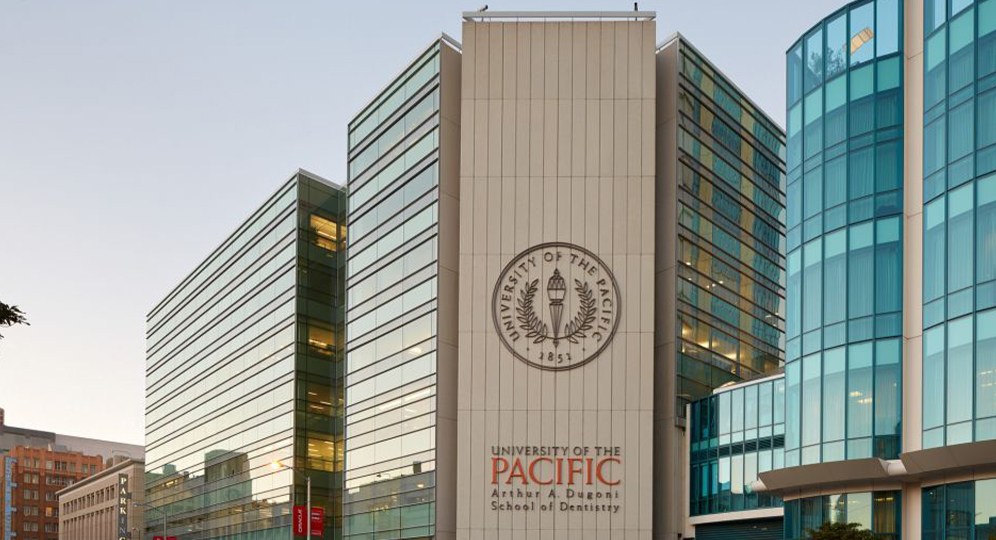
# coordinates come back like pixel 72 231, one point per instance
pixel 731 203
pixel 233 353
pixel 877 511
pixel 963 510
pixel 391 309
pixel 735 435
pixel 959 263
pixel 321 302
pixel 845 179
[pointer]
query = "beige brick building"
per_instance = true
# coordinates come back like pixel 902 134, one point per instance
pixel 90 509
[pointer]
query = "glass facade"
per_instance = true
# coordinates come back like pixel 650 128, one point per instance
pixel 731 204
pixel 959 234
pixel 736 434
pixel 845 230
pixel 962 510
pixel 877 511
pixel 392 308
pixel 244 370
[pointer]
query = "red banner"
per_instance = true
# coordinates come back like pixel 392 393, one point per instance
pixel 317 521
pixel 299 525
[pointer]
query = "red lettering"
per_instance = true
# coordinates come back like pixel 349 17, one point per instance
pixel 600 476
pixel 587 470
pixel 572 470
pixel 532 471
pixel 517 471
pixel 496 470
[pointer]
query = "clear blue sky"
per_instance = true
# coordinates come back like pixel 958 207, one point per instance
pixel 134 136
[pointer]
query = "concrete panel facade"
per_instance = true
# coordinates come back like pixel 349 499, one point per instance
pixel 558 135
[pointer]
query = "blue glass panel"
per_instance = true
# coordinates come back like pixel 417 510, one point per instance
pixel 986 119
pixel 961 56
pixel 960 238
pixel 862 34
pixel 985 509
pixel 859 391
pixel 836 53
pixel 861 176
pixel 958 5
pixel 794 69
pixel 933 250
pixel 986 229
pixel 888 380
pixel 813 192
pixel 935 77
pixel 861 268
pixel 794 294
pixel 793 403
pixel 933 377
pixel 985 364
pixel 888 266
pixel 814 60
pixel 835 182
pixel 934 14
pixel 889 75
pixel 812 285
pixel 887 27
pixel 811 366
pixel 834 394
pixel 835 277
pixel 962 139
pixel 888 166
pixel 934 141
pixel 959 371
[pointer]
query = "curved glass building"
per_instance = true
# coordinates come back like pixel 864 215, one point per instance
pixel 890 373
pixel 845 268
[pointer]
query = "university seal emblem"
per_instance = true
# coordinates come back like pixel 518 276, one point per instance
pixel 556 306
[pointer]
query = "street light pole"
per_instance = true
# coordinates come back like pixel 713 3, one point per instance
pixel 307 511
pixel 307 508
pixel 162 511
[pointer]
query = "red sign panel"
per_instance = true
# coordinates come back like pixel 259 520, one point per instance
pixel 299 525
pixel 317 521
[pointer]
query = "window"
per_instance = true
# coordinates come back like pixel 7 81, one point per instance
pixel 985 368
pixel 959 379
pixel 834 393
pixel 812 285
pixel 860 297
pixel 834 277
pixel 933 250
pixel 985 262
pixel 961 54
pixel 960 241
pixel 859 392
pixel 888 266
pixel 836 53
pixel 814 60
pixel 887 27
pixel 862 35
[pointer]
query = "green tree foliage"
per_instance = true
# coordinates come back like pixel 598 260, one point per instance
pixel 11 315
pixel 840 531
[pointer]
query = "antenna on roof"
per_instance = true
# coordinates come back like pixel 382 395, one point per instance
pixel 483 8
pixel 636 6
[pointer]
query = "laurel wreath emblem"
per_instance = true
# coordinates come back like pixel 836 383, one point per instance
pixel 538 331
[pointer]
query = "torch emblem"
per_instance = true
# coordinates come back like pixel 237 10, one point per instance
pixel 556 289
pixel 581 298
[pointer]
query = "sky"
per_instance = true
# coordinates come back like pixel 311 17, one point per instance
pixel 135 136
